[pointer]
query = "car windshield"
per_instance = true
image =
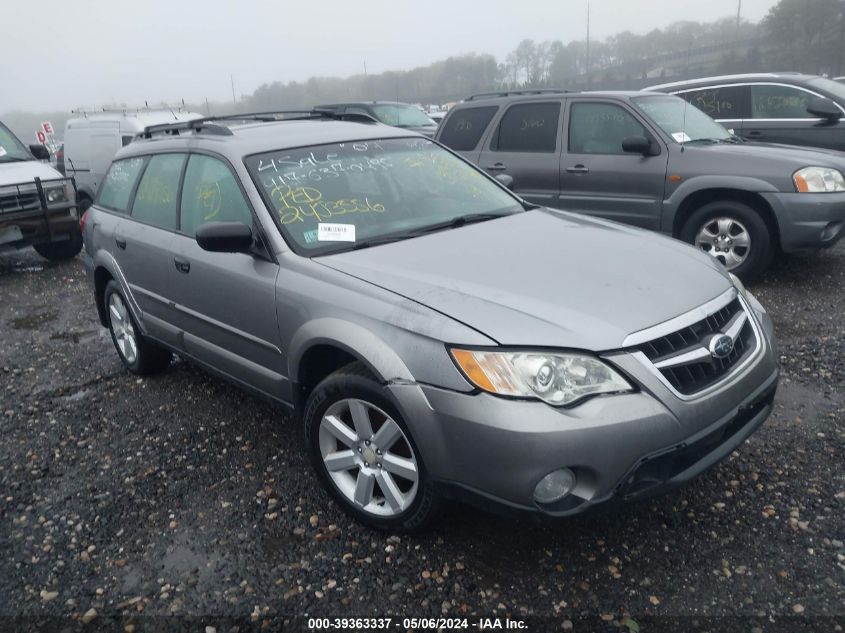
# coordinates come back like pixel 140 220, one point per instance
pixel 833 87
pixel 399 115
pixel 680 120
pixel 11 149
pixel 330 198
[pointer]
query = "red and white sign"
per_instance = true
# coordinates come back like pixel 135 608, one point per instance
pixel 42 138
pixel 47 127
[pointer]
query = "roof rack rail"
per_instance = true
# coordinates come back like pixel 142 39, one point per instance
pixel 207 124
pixel 512 93
pixel 125 109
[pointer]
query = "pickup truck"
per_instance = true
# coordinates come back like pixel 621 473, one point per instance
pixel 37 205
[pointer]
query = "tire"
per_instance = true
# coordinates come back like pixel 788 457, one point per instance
pixel 138 355
pixel 722 224
pixel 58 251
pixel 362 467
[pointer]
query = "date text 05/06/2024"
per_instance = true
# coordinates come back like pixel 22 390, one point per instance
pixel 416 624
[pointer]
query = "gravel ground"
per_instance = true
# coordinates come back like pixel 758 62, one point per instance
pixel 125 500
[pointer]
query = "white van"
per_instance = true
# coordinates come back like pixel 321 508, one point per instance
pixel 93 138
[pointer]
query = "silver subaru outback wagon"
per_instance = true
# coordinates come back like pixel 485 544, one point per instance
pixel 438 336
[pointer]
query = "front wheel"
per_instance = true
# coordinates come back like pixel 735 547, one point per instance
pixel 733 233
pixel 364 453
pixel 58 251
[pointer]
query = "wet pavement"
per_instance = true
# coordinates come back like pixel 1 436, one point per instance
pixel 124 500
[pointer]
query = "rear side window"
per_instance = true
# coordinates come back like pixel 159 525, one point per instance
pixel 600 128
pixel 155 201
pixel 725 102
pixel 211 194
pixel 117 185
pixel 528 127
pixel 463 129
pixel 779 102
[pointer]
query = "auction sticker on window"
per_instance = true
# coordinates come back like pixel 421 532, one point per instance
pixel 681 137
pixel 329 232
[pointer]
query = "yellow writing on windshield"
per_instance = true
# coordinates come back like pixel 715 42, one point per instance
pixel 296 204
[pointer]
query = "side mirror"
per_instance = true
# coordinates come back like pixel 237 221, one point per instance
pixel 505 180
pixel 224 237
pixel 824 109
pixel 40 152
pixel 638 145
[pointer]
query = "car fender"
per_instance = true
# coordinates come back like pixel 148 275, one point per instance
pixel 103 259
pixel 700 183
pixel 355 339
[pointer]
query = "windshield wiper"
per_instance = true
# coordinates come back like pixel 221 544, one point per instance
pixel 713 140
pixel 454 223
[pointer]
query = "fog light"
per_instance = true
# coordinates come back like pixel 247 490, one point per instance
pixel 554 486
pixel 831 231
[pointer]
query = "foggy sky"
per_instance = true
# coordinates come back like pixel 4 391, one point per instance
pixel 61 55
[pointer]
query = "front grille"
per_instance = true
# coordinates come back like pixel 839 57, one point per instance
pixel 16 202
pixel 690 377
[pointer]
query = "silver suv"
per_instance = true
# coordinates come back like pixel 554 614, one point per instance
pixel 439 336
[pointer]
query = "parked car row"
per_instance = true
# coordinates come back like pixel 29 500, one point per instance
pixel 451 328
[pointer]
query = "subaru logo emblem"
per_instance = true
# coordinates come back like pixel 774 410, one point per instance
pixel 721 346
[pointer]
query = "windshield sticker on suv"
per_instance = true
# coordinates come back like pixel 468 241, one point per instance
pixel 310 236
pixel 328 232
pixel 2 151
pixel 681 137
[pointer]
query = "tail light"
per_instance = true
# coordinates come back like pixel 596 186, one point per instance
pixel 83 220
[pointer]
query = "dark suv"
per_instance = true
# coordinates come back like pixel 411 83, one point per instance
pixel 657 162
pixel 774 107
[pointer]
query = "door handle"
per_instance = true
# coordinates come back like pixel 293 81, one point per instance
pixel 182 266
pixel 120 243
pixel 578 169
pixel 496 167
pixel 754 133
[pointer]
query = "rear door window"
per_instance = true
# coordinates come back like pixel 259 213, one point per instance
pixel 779 102
pixel 211 194
pixel 464 128
pixel 158 191
pixel 600 128
pixel 118 184
pixel 724 102
pixel 528 127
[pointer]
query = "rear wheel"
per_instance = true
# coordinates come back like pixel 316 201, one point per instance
pixel 364 453
pixel 57 251
pixel 733 233
pixel 139 355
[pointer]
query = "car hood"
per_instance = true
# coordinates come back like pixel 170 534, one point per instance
pixel 426 130
pixel 798 156
pixel 544 278
pixel 16 173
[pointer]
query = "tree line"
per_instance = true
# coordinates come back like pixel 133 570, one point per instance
pixel 800 35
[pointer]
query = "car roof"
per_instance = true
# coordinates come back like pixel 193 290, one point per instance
pixel 253 138
pixel 549 96
pixel 786 77
pixel 364 103
pixel 139 119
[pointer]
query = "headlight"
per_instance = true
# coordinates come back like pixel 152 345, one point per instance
pixel 818 180
pixel 55 194
pixel 556 379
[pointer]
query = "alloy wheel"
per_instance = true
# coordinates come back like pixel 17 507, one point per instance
pixel 725 239
pixel 124 332
pixel 368 457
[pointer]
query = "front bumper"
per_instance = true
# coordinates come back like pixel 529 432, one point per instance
pixel 28 219
pixel 808 221
pixel 494 451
